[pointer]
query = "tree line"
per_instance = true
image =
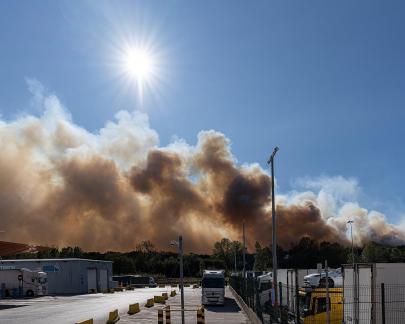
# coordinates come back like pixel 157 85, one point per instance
pixel 227 254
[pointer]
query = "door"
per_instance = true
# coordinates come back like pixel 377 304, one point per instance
pixel 103 280
pixel 91 280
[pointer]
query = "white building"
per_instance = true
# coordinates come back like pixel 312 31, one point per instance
pixel 69 276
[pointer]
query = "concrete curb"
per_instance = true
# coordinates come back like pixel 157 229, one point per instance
pixel 250 314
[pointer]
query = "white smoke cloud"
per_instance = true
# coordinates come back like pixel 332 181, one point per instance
pixel 336 197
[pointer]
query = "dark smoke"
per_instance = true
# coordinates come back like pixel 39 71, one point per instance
pixel 61 185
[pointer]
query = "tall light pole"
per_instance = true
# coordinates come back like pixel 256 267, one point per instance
pixel 179 243
pixel 274 238
pixel 244 251
pixel 351 233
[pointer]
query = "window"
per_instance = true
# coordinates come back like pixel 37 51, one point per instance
pixel 213 283
pixel 321 305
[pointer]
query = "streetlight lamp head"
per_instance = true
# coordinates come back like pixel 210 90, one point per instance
pixel 174 243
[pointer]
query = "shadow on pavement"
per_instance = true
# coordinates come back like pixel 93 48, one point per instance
pixel 10 306
pixel 230 306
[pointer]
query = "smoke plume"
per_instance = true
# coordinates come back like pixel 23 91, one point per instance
pixel 108 190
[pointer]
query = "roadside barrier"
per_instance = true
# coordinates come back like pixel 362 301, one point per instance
pixel 159 299
pixel 165 296
pixel 119 289
pixel 177 308
pixel 162 286
pixel 150 303
pixel 89 321
pixel 167 313
pixel 199 316
pixel 92 291
pixel 196 286
pixel 160 316
pixel 173 293
pixel 133 309
pixel 113 317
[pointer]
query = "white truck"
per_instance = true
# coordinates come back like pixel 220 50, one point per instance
pixel 374 293
pixel 22 282
pixel 213 287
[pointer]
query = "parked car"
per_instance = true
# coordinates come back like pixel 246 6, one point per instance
pixel 316 280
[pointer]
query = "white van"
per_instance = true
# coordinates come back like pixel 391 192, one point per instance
pixel 22 282
pixel 213 287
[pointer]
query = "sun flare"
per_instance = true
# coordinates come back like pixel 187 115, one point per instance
pixel 139 64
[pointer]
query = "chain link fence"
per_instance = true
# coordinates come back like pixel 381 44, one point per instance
pixel 358 304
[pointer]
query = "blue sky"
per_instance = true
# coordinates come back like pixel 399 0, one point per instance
pixel 323 80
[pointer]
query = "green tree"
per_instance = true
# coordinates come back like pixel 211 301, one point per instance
pixel 224 250
pixel 263 258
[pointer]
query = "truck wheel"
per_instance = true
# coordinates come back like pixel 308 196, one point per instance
pixel 30 293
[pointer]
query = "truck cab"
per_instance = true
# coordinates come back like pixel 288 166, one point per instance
pixel 313 305
pixel 264 286
pixel 213 287
pixel 23 282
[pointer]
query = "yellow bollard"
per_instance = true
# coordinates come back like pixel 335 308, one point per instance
pixel 89 321
pixel 165 296
pixel 173 293
pixel 162 286
pixel 150 302
pixel 199 316
pixel 167 311
pixel 159 299
pixel 160 316
pixel 113 317
pixel 202 314
pixel 133 309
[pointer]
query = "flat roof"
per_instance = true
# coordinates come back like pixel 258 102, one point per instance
pixel 53 260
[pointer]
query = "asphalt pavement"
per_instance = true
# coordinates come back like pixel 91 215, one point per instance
pixel 71 309
pixel 230 313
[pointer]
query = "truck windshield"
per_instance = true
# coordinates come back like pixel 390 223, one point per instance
pixel 213 283
pixel 42 280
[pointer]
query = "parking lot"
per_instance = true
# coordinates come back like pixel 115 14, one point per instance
pixel 70 309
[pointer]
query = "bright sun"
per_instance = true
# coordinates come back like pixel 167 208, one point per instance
pixel 139 64
pixel 139 68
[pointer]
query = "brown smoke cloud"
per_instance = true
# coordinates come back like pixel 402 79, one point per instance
pixel 62 185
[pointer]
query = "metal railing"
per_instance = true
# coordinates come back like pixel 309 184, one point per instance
pixel 354 304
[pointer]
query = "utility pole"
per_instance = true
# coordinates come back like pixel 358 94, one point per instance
pixel 351 233
pixel 244 250
pixel 181 278
pixel 179 244
pixel 327 293
pixel 236 251
pixel 274 243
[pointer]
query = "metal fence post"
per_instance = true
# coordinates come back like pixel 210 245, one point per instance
pixel 327 292
pixel 280 286
pixel 296 301
pixel 382 303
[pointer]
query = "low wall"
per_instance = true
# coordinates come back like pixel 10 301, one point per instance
pixel 251 314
